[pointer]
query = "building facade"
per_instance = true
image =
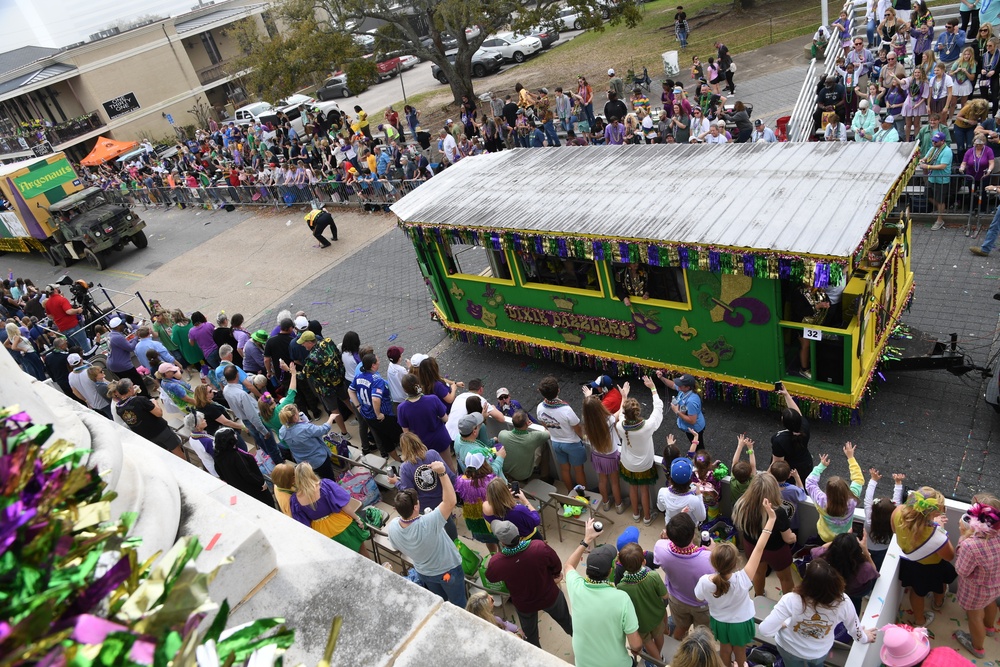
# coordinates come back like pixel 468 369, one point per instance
pixel 140 83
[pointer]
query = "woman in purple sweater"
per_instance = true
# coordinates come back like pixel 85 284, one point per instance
pixel 424 415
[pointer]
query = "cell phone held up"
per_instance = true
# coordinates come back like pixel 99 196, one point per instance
pixel 515 488
pixel 779 386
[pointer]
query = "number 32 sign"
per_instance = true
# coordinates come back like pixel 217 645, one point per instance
pixel 812 334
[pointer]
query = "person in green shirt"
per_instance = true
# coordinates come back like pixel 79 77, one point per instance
pixel 468 442
pixel 523 447
pixel 191 353
pixel 604 617
pixel 161 332
pixel 269 409
pixel 648 593
pixel 742 472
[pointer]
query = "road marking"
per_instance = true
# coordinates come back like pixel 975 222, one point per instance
pixel 127 274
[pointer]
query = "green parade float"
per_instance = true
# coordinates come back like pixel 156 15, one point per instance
pixel 636 258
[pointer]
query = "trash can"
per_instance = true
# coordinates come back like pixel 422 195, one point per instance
pixel 670 65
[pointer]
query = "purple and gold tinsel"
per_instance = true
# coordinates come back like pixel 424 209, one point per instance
pixel 72 590
pixel 754 263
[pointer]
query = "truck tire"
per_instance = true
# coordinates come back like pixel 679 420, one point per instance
pixel 94 259
pixel 140 240
pixel 55 256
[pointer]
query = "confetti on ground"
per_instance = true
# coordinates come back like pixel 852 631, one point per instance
pixel 288 224
pixel 393 337
pixel 957 622
pixel 232 500
pixel 875 615
pixel 881 600
pixel 212 542
pixel 249 281
pixel 321 303
pixel 359 310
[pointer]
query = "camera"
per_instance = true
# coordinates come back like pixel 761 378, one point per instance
pixel 515 488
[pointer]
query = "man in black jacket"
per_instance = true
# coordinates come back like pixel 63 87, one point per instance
pixel 614 108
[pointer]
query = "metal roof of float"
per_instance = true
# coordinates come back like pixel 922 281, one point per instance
pixel 803 198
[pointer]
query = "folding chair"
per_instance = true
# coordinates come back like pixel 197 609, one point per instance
pixel 383 551
pixel 541 491
pixel 576 524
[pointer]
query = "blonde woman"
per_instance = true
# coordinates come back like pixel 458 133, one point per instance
pixel 925 566
pixel 599 425
pixel 481 605
pixel 305 439
pixel 283 477
pixel 977 562
pixel 501 504
pixel 963 74
pixel 328 509
pixel 750 518
pixel 636 465
pixel 698 649
pixel 28 358
pixel 915 105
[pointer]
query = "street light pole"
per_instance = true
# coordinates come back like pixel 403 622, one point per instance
pixel 825 19
pixel 399 69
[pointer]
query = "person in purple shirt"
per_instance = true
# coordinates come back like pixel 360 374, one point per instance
pixel 978 160
pixel 614 133
pixel 201 334
pixel 424 415
pixel 120 351
pixel 325 507
pixel 253 352
pixel 683 563
pixel 416 473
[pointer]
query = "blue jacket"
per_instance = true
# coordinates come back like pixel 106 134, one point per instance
pixel 305 441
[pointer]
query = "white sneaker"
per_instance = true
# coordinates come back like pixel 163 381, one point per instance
pixel 937 225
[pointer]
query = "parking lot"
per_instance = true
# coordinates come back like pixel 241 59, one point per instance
pixel 419 80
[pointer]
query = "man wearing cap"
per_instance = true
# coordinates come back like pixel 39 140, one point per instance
pixel 683 563
pixel 86 389
pixel 523 447
pixel 864 122
pixel 831 97
pixel 531 570
pixel 604 388
pixel 370 396
pixel 244 406
pixel 686 405
pixel 887 134
pixel 604 618
pixel 424 542
pixel 460 408
pixel 57 364
pixel 276 350
pixel 449 147
pixel 64 315
pixel 253 352
pixel 936 166
pixel 678 496
pixel 507 405
pixel 616 84
pixel 762 133
pixel 120 355
pixel 468 442
pixel 323 367
pixel 318 220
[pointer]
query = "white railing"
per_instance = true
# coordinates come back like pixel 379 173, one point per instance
pixel 800 124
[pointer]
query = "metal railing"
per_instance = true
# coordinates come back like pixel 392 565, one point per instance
pixel 364 193
pixel 964 199
pixel 57 134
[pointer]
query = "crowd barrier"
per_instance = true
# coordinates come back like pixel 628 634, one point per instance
pixel 380 192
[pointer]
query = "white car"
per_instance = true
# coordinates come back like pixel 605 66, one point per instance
pixel 251 112
pixel 408 62
pixel 568 18
pixel 513 47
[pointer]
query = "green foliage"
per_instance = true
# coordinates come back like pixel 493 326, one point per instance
pixel 320 35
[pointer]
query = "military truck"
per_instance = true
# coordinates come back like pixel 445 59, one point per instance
pixel 51 212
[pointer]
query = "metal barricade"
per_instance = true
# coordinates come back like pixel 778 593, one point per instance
pixel 963 199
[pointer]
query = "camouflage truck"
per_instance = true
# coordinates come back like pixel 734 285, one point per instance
pixel 51 212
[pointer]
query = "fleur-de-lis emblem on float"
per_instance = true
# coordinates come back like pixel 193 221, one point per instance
pixel 684 331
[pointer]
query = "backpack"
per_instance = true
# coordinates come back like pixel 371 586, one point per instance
pixel 361 485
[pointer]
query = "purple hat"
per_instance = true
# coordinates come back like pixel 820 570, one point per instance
pixel 938 136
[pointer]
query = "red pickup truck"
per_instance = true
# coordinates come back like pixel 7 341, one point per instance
pixel 388 68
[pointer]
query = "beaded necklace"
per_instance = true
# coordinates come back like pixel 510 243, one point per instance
pixel 603 582
pixel 635 577
pixel 513 551
pixel 409 521
pixel 684 551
